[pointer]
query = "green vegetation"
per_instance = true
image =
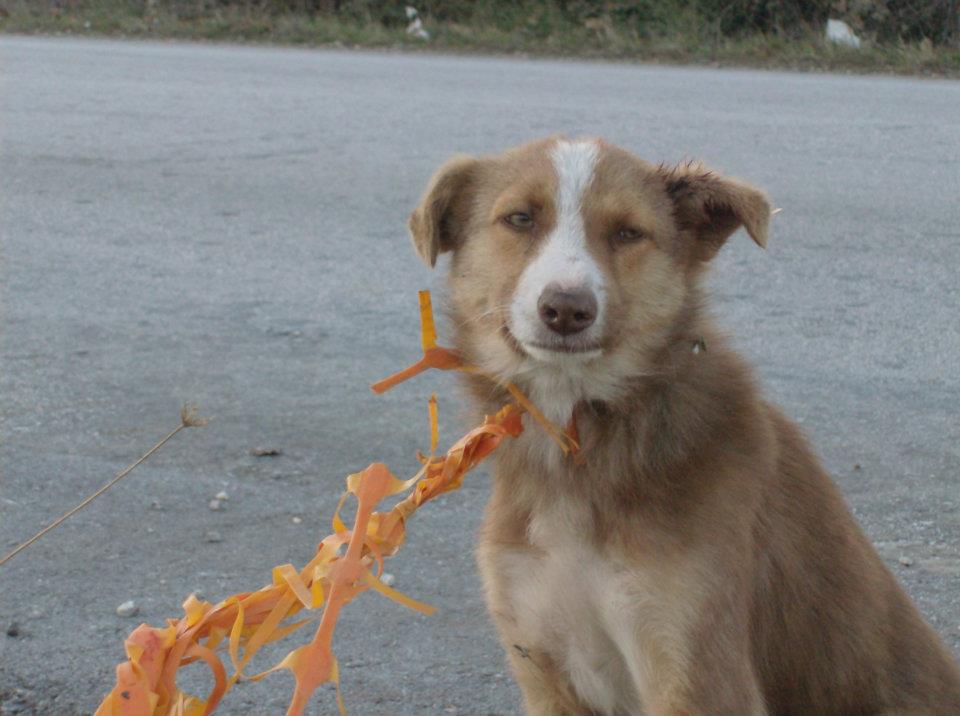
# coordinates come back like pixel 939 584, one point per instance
pixel 903 36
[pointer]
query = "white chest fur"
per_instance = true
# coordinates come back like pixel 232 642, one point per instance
pixel 581 609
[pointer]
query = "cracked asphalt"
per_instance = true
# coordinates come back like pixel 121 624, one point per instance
pixel 224 225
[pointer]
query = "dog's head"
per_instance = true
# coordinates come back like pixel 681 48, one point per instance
pixel 573 259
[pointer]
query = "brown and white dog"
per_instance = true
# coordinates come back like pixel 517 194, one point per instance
pixel 695 559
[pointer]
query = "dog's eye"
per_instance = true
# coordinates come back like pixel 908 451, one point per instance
pixel 626 235
pixel 519 220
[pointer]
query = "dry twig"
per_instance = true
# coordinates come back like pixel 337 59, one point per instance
pixel 188 419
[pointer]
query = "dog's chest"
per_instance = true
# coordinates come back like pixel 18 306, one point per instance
pixel 573 604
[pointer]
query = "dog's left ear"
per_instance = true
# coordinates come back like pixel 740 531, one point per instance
pixel 712 207
pixel 435 225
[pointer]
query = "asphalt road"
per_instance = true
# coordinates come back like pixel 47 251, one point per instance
pixel 225 226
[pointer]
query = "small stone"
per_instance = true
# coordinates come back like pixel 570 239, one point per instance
pixel 36 613
pixel 13 630
pixel 155 505
pixel 128 609
pixel 266 452
pixel 222 496
pixel 214 504
pixel 906 561
pixel 212 536
pixel 388 579
pixel 296 520
pixel 856 466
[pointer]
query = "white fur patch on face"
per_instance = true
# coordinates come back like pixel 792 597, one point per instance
pixel 563 260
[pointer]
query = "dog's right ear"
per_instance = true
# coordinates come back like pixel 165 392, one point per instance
pixel 435 224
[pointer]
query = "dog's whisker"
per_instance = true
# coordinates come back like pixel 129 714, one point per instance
pixel 480 316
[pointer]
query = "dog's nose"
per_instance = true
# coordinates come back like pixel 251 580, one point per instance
pixel 567 312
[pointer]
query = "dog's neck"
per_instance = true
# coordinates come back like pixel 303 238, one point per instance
pixel 689 396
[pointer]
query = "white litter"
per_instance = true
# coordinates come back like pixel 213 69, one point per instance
pixel 128 609
pixel 415 28
pixel 841 33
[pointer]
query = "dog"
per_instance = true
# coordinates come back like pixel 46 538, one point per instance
pixel 693 558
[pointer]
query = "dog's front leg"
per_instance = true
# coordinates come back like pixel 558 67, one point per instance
pixel 684 633
pixel 734 694
pixel 546 691
pixel 715 677
pixel 514 596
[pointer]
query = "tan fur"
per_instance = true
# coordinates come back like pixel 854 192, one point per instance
pixel 696 560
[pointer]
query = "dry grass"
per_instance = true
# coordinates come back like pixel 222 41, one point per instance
pixel 188 419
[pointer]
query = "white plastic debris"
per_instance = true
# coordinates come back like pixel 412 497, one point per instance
pixel 128 609
pixel 388 579
pixel 415 28
pixel 841 33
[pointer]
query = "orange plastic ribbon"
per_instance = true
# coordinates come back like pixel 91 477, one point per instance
pixel 347 563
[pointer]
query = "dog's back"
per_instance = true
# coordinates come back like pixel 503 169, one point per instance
pixel 835 633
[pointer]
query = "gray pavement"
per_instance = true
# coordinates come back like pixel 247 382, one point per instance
pixel 225 226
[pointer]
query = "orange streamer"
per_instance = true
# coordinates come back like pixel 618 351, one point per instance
pixel 347 563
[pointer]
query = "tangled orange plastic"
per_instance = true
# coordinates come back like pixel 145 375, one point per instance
pixel 345 564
